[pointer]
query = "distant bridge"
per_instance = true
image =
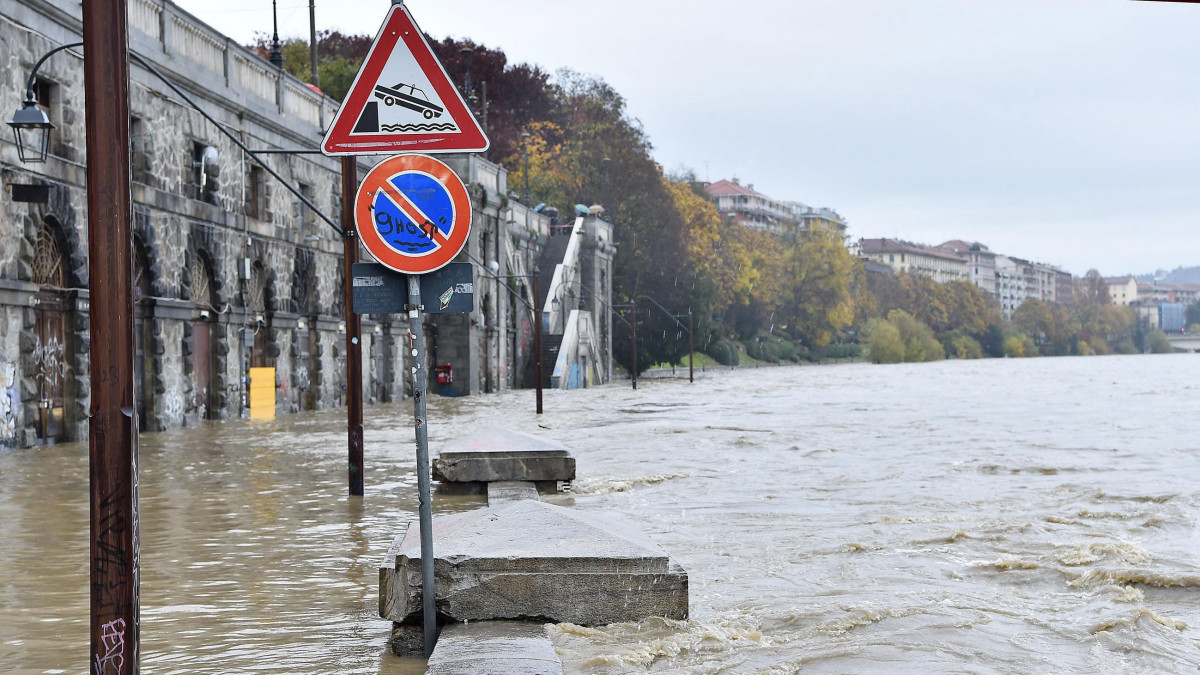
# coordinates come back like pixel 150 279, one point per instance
pixel 1189 342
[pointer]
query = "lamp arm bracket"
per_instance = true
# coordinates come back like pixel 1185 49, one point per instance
pixel 33 73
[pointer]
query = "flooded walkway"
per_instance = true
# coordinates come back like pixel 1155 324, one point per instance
pixel 998 516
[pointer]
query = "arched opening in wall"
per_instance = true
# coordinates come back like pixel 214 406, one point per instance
pixel 50 353
pixel 516 335
pixel 304 295
pixel 204 365
pixel 143 325
pixel 256 306
pixel 486 337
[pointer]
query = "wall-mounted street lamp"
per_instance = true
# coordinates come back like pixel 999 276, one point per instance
pixel 32 127
pixel 31 124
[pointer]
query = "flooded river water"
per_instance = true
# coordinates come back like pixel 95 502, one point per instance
pixel 999 516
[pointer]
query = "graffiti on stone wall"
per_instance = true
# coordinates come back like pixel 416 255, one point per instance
pixel 49 358
pixel 9 403
pixel 172 406
pixel 200 404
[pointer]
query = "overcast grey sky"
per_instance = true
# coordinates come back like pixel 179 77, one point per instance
pixel 1066 131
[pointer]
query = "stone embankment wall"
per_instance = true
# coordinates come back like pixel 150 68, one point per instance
pixel 231 270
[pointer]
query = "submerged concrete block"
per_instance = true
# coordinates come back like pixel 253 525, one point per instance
pixel 494 647
pixel 503 455
pixel 530 560
pixel 510 491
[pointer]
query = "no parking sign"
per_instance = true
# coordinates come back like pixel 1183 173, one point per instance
pixel 413 213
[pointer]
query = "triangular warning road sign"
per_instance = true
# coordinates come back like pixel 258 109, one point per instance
pixel 402 100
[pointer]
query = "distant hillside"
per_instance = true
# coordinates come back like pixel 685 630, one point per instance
pixel 1179 275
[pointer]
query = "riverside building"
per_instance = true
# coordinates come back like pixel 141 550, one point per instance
pixel 232 271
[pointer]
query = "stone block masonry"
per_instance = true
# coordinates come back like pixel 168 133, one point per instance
pixel 527 560
pixel 495 647
pixel 520 559
pixel 503 455
pixel 232 271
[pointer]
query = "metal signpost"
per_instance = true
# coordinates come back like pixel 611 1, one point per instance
pixel 413 214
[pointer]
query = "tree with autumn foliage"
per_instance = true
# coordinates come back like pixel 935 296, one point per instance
pixel 339 57
pixel 818 275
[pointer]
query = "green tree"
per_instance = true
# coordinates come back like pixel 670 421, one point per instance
pixel 1014 346
pixel 884 344
pixel 964 347
pixel 919 341
pixel 818 273
pixel 338 58
pixel 1157 343
pixel 1192 315
pixel 1036 319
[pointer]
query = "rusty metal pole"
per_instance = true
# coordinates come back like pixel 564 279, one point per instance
pixel 416 340
pixel 112 428
pixel 537 335
pixel 633 329
pixel 354 400
pixel 691 351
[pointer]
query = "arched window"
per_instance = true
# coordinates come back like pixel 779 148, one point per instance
pixel 256 290
pixel 49 263
pixel 201 288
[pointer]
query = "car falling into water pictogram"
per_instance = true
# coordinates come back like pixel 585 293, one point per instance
pixel 408 96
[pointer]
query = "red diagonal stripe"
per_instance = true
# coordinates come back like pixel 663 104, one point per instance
pixel 402 202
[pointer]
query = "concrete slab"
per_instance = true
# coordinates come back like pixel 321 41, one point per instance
pixel 530 560
pixel 499 647
pixel 510 491
pixel 503 455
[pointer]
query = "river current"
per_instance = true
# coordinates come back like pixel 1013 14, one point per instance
pixel 995 516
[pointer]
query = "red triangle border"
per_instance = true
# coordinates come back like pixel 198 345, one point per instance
pixel 400 29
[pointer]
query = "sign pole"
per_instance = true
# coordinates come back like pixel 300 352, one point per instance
pixel 416 338
pixel 633 331
pixel 112 429
pixel 537 335
pixel 354 400
pixel 691 351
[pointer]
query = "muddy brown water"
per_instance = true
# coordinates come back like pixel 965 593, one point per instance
pixel 1001 516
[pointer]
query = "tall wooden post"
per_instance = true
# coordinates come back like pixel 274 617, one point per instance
pixel 354 401
pixel 112 428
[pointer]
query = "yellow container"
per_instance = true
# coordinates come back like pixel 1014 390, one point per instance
pixel 262 393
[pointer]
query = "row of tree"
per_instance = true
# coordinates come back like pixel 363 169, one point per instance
pixel 571 140
pixel 968 324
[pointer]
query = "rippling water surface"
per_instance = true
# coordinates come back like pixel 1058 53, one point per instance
pixel 1006 516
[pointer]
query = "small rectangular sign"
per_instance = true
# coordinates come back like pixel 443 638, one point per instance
pixel 379 290
pixel 30 194
pixel 449 290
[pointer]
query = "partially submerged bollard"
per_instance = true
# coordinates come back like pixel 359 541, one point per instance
pixel 510 647
pixel 468 464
